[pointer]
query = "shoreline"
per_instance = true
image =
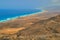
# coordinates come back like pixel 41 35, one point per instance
pixel 8 19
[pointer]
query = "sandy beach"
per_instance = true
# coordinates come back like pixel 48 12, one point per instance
pixel 13 18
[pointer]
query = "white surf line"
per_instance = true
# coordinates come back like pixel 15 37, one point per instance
pixel 13 18
pixel 34 13
pixel 8 19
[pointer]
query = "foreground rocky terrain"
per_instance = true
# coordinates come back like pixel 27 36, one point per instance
pixel 42 26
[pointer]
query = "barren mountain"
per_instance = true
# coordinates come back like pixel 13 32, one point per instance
pixel 54 8
pixel 48 29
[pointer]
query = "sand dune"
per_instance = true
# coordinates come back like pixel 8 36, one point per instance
pixel 10 30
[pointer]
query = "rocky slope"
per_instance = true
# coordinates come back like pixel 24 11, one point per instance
pixel 48 29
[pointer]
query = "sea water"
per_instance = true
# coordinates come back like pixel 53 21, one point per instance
pixel 6 14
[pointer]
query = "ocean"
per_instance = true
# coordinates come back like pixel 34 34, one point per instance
pixel 10 13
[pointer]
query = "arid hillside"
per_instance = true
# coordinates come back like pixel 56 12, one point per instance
pixel 42 26
pixel 48 29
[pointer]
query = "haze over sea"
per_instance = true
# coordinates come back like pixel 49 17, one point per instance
pixel 6 14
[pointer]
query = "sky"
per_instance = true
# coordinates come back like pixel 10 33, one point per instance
pixel 27 4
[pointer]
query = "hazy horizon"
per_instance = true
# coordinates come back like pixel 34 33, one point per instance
pixel 27 4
